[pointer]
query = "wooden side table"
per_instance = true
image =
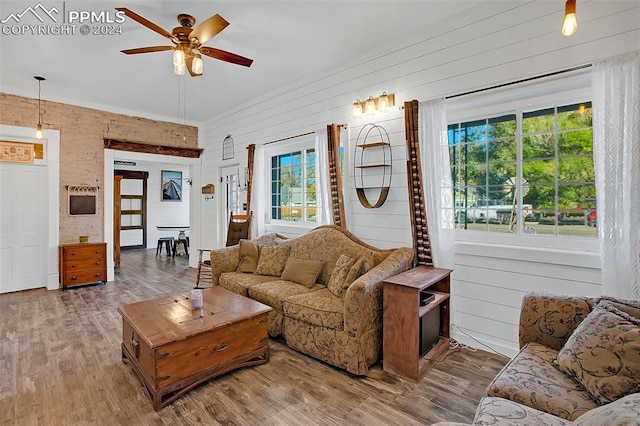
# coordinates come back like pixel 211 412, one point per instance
pixel 402 317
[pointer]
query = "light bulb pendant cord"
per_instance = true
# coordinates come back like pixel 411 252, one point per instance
pixel 39 126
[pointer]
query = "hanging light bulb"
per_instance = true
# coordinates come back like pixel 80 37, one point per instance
pixel 197 66
pixel 570 24
pixel 178 56
pixel 178 61
pixel 357 109
pixel 370 106
pixel 39 126
pixel 178 69
pixel 383 102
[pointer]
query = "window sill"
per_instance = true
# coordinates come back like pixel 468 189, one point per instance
pixel 289 228
pixel 583 252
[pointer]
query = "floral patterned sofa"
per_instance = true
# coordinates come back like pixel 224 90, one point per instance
pixel 325 288
pixel 579 364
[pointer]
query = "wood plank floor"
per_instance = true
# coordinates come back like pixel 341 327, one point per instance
pixel 60 364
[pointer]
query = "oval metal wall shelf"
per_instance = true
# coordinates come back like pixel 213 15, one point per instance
pixel 372 136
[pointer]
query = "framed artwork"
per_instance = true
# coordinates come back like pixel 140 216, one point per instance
pixel 171 186
pixel 16 152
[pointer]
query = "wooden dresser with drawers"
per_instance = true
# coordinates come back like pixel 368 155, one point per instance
pixel 82 263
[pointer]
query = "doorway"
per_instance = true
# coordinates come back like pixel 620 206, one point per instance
pixel 230 180
pixel 129 211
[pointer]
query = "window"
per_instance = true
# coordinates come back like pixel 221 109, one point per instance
pixel 526 172
pixel 293 186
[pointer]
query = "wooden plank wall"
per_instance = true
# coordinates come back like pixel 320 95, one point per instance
pixel 488 45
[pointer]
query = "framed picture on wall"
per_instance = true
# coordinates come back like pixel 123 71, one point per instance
pixel 171 186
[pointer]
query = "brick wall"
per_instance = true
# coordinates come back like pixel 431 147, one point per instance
pixel 82 131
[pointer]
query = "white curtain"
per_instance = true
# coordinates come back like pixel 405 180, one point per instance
pixel 436 177
pixel 616 144
pixel 323 196
pixel 259 194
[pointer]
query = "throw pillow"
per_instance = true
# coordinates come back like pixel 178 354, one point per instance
pixel 272 260
pixel 302 271
pixel 631 307
pixel 603 353
pixel 362 266
pixel 339 275
pixel 249 255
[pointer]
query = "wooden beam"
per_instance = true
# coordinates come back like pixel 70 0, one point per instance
pixel 147 148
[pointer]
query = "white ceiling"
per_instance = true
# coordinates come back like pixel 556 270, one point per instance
pixel 288 41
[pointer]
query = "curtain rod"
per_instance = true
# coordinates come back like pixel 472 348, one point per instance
pixel 524 80
pixel 290 137
pixel 344 126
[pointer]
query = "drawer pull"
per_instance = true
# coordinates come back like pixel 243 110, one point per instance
pixel 74 278
pixel 135 346
pixel 73 266
pixel 73 253
pixel 221 347
pixel 98 262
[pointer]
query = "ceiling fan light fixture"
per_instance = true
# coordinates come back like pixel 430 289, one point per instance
pixel 178 57
pixel 178 69
pixel 197 66
pixel 570 23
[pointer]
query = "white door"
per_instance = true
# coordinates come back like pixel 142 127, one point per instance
pixel 23 226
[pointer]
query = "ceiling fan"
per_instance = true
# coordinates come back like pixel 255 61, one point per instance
pixel 188 48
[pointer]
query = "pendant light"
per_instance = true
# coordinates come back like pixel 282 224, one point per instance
pixel 570 24
pixel 39 127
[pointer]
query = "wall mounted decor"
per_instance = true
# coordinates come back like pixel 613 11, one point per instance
pixel 372 140
pixel 82 199
pixel 16 152
pixel 209 189
pixel 227 148
pixel 171 186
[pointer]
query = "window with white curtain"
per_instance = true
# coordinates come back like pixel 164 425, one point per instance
pixel 525 166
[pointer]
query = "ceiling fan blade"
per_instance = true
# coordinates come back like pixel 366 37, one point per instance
pixel 147 49
pixel 226 56
pixel 207 29
pixel 147 23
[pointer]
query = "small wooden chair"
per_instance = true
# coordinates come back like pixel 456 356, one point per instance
pixel 239 229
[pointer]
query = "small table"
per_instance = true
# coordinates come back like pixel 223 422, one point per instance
pixel 402 323
pixel 173 348
pixel 182 237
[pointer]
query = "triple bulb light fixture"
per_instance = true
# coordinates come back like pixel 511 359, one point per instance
pixel 373 105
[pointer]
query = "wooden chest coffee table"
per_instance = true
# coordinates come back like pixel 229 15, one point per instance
pixel 173 348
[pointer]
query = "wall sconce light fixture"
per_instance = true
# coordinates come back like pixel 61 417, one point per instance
pixel 570 23
pixel 373 105
pixel 357 109
pixel 39 126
